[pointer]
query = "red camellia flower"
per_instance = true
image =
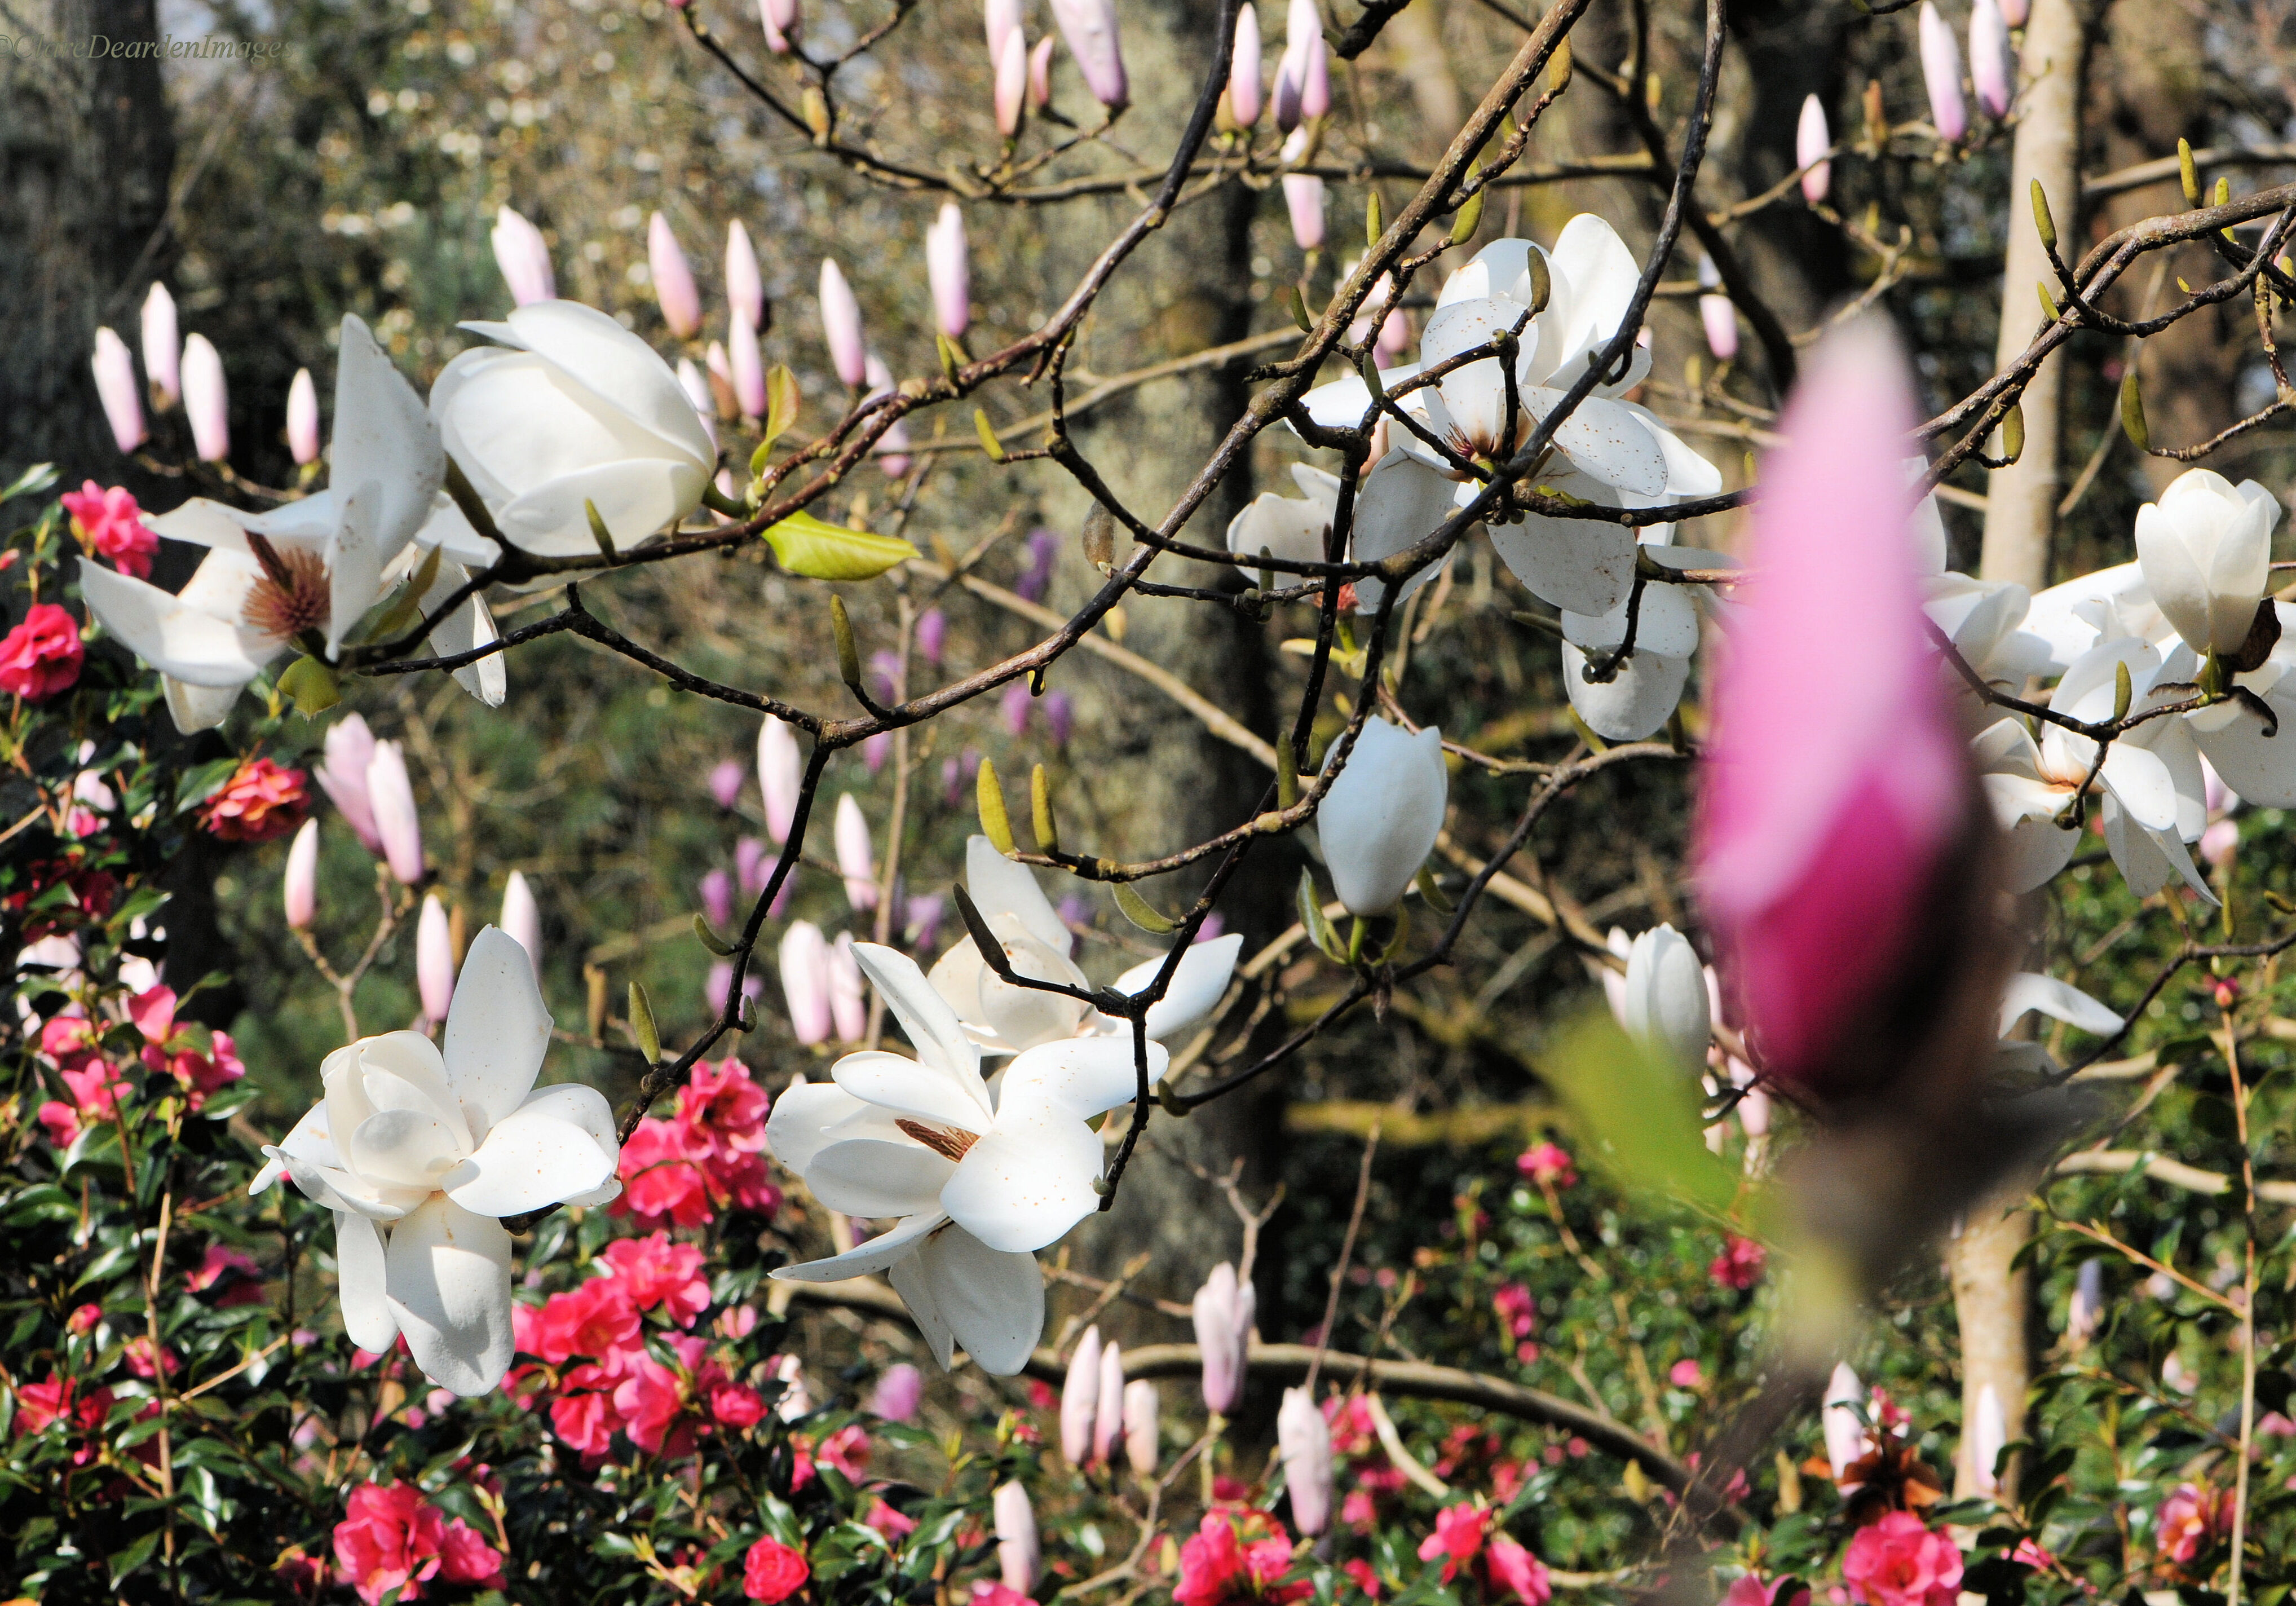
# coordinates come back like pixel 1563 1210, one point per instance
pixel 1546 1163
pixel 393 1538
pixel 1897 1561
pixel 655 1271
pixel 261 801
pixel 1225 1562
pixel 42 656
pixel 1463 1538
pixel 771 1571
pixel 1739 1265
pixel 2190 1519
pixel 110 523
pixel 707 1157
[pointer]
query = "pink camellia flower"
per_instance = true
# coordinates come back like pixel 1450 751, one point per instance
pixel 674 289
pixel 115 387
pixel 1685 1373
pixel 655 1271
pixel 900 1392
pixel 1546 1163
pixel 1747 1590
pixel 1223 1565
pixel 392 1538
pixel 598 1319
pixel 1739 1264
pixel 42 656
pixel 220 1263
pixel 840 329
pixel 1834 782
pixel 139 1353
pixel 1941 75
pixel 771 1571
pixel 110 523
pixel 2190 1520
pixel 84 1320
pixel 891 1524
pixel 585 1420
pixel 1897 1561
pixel 1457 1538
pixel 261 801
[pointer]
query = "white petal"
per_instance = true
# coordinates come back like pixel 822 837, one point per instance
pixel 307 1139
pixel 1281 526
pixel 873 1178
pixel 1586 565
pixel 1403 501
pixel 2262 769
pixel 1195 991
pixel 449 1286
pixel 879 1253
pixel 196 709
pixel 2143 784
pixel 470 626
pixel 617 366
pixel 910 1087
pixel 1635 703
pixel 932 1027
pixel 359 1276
pixel 998 886
pixel 404 1148
pixel 497 1028
pixel 1687 474
pixel 991 1303
pixel 545 1151
pixel 193 645
pixel 1665 624
pixel 2059 1000
pixel 383 437
pixel 797 1129
pixel 1605 441
pixel 1085 1076
pixel 1030 1177
pixel 1379 820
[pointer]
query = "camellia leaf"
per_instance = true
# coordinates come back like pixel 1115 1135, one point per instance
pixel 821 550
pixel 1638 1112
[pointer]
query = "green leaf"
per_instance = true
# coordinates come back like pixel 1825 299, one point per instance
pixel 1311 918
pixel 821 550
pixel 1639 1111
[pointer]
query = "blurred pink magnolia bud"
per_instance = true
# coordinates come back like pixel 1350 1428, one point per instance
pixel 434 959
pixel 673 280
pixel 841 325
pixel 949 271
pixel 115 386
pixel 1812 140
pixel 856 862
pixel 1040 73
pixel 1141 1427
pixel 1224 1312
pixel 396 826
pixel 781 773
pixel 749 366
pixel 875 750
pixel 795 1402
pixel 805 981
pixel 163 348
pixel 1245 103
pixel 303 418
pixel 524 258
pixel 1080 1399
pixel 780 20
pixel 1010 60
pixel 891 455
pixel 1834 780
pixel 1018 1552
pixel 1303 199
pixel 521 918
pixel 717 889
pixel 745 287
pixel 1303 76
pixel 719 369
pixel 1992 65
pixel 206 403
pixel 1089 26
pixel 1845 1435
pixel 1303 1439
pixel 752 865
pixel 1108 1403
pixel 1394 341
pixel 2219 842
pixel 900 1392
pixel 342 775
pixel 1013 707
pixel 1720 317
pixel 725 783
pixel 2218 797
pixel 1988 1433
pixel 925 916
pixel 1060 715
pixel 999 20
pixel 301 885
pixel 932 634
pixel 848 998
pixel 2014 11
pixel 1941 75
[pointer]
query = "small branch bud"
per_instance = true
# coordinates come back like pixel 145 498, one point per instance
pixel 2190 172
pixel 1558 66
pixel 2123 691
pixel 849 655
pixel 1040 811
pixel 989 797
pixel 2041 218
pixel 1287 775
pixel 1471 215
pixel 813 106
pixel 1375 224
pixel 593 986
pixel 641 1027
pixel 1100 537
pixel 2012 433
pixel 988 433
pixel 2132 412
pixel 599 533
pixel 2049 302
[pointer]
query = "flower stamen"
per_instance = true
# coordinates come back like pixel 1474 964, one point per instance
pixel 947 1142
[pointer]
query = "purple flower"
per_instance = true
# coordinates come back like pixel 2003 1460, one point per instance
pixel 1043 547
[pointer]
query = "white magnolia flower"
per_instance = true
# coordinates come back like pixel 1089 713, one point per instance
pixel 1379 820
pixel 305 574
pixel 2205 549
pixel 569 408
pixel 1609 451
pixel 1399 502
pixel 2027 993
pixel 978 1183
pixel 1003 1019
pixel 1640 698
pixel 1288 526
pixel 419 1153
pixel 2150 790
pixel 1197 987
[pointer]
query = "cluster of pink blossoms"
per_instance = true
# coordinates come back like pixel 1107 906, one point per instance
pixel 1465 1541
pixel 596 1363
pixel 393 1538
pixel 708 1156
pixel 1236 1556
pixel 1897 1561
pixel 69 1043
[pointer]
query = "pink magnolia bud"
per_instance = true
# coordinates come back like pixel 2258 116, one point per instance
pixel 891 446
pixel 342 775
pixel 521 918
pixel 206 403
pixel 1845 1435
pixel 398 828
pixel 717 889
pixel 950 272
pixel 841 325
pixel 925 916
pixel 2014 11
pixel 1988 1436
pixel 1040 73
pixel 1812 140
pixel 1018 1552
pixel 1245 103
pixel 2220 842
pixel 1303 76
pixel 747 365
pixel 1303 1440
pixel 163 348
pixel 1014 708
pixel 1941 75
pixel 877 748
pixel 1060 715
pixel 1080 1399
pixel 1719 314
pixel 1303 198
pixel 1011 63
pixel 780 20
pixel 1394 341
pixel 848 998
pixel 524 258
pixel 1833 780
pixel 805 981
pixel 303 418
pixel 301 885
pixel 1992 65
pixel 1141 1427
pixel 719 369
pixel 1089 26
pixel 781 775
pixel 1000 20
pixel 856 862
pixel 725 783
pixel 745 287
pixel 673 280
pixel 932 634
pixel 1224 1312
pixel 434 959
pixel 115 386
pixel 1108 1403
pixel 900 1392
